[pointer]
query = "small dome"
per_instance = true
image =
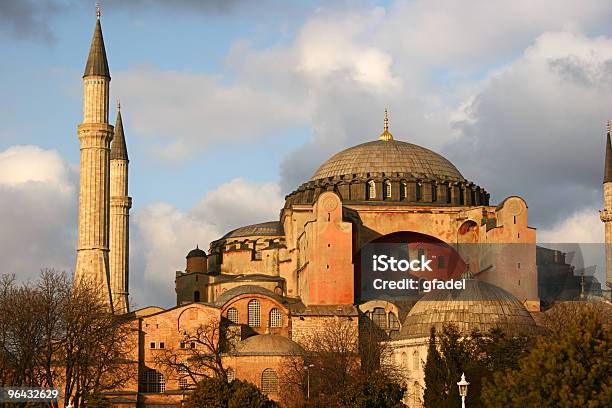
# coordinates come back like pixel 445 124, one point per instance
pixel 388 156
pixel 269 345
pixel 480 306
pixel 196 253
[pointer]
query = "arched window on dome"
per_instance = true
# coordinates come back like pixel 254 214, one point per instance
pixel 434 192
pixel 196 296
pixel 232 315
pixel 403 193
pixel 371 190
pixel 449 193
pixel 269 381
pixel 276 318
pixel 419 191
pixel 387 189
pixel 461 196
pixel 254 311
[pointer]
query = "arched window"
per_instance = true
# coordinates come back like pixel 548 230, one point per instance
pixel 371 190
pixel 449 193
pixel 387 189
pixel 232 315
pixel 403 190
pixel 196 296
pixel 276 318
pixel 415 396
pixel 393 322
pixel 416 361
pixel 231 376
pixel 254 313
pixel 419 191
pixel 434 193
pixel 461 196
pixel 153 381
pixel 269 381
pixel 379 317
pixel 404 361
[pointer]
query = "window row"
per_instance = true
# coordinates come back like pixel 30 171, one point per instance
pixel 254 315
pixel 419 191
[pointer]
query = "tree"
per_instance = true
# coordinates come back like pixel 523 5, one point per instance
pixel 435 376
pixel 205 360
pixel 217 393
pixel 58 334
pixel 372 391
pixel 571 369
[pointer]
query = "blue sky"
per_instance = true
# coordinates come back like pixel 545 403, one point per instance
pixel 229 105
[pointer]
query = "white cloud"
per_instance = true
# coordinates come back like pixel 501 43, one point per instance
pixel 583 226
pixel 37 211
pixel 163 234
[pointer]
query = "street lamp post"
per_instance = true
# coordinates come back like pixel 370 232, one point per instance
pixel 307 368
pixel 463 385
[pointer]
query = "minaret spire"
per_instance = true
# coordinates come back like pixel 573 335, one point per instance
pixel 119 230
pixel 606 213
pixel 386 135
pixel 95 135
pixel 608 163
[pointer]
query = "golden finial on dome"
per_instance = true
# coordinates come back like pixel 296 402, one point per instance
pixel 386 135
pixel 118 104
pixel 609 126
pixel 97 10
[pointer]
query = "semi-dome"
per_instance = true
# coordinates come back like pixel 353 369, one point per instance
pixel 480 306
pixel 388 157
pixel 269 345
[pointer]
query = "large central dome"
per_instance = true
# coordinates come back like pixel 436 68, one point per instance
pixel 388 156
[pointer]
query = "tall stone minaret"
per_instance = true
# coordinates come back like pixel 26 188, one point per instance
pixel 120 205
pixel 95 135
pixel 606 213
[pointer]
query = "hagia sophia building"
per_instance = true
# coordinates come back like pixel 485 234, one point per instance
pixel 278 282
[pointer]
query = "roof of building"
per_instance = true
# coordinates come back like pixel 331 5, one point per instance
pixel 118 147
pixel 608 164
pixel 299 309
pixel 480 306
pixel 268 345
pixel 196 253
pixel 388 156
pixel 97 64
pixel 270 228
pixel 246 289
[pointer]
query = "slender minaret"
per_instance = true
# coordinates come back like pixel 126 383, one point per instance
pixel 120 205
pixel 95 135
pixel 606 213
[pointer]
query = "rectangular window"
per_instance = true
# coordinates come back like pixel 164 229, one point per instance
pixel 152 344
pixel 182 344
pixel 162 345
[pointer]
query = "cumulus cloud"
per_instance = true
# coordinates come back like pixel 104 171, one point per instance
pixel 38 211
pixel 583 226
pixel 163 234
pixel 537 127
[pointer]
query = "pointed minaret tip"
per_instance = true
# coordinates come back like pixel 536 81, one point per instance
pixel 118 147
pixel 386 135
pixel 97 64
pixel 608 163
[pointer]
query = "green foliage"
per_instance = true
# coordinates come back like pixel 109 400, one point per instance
pixel 217 393
pixel 478 356
pixel 569 370
pixel 435 376
pixel 372 391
